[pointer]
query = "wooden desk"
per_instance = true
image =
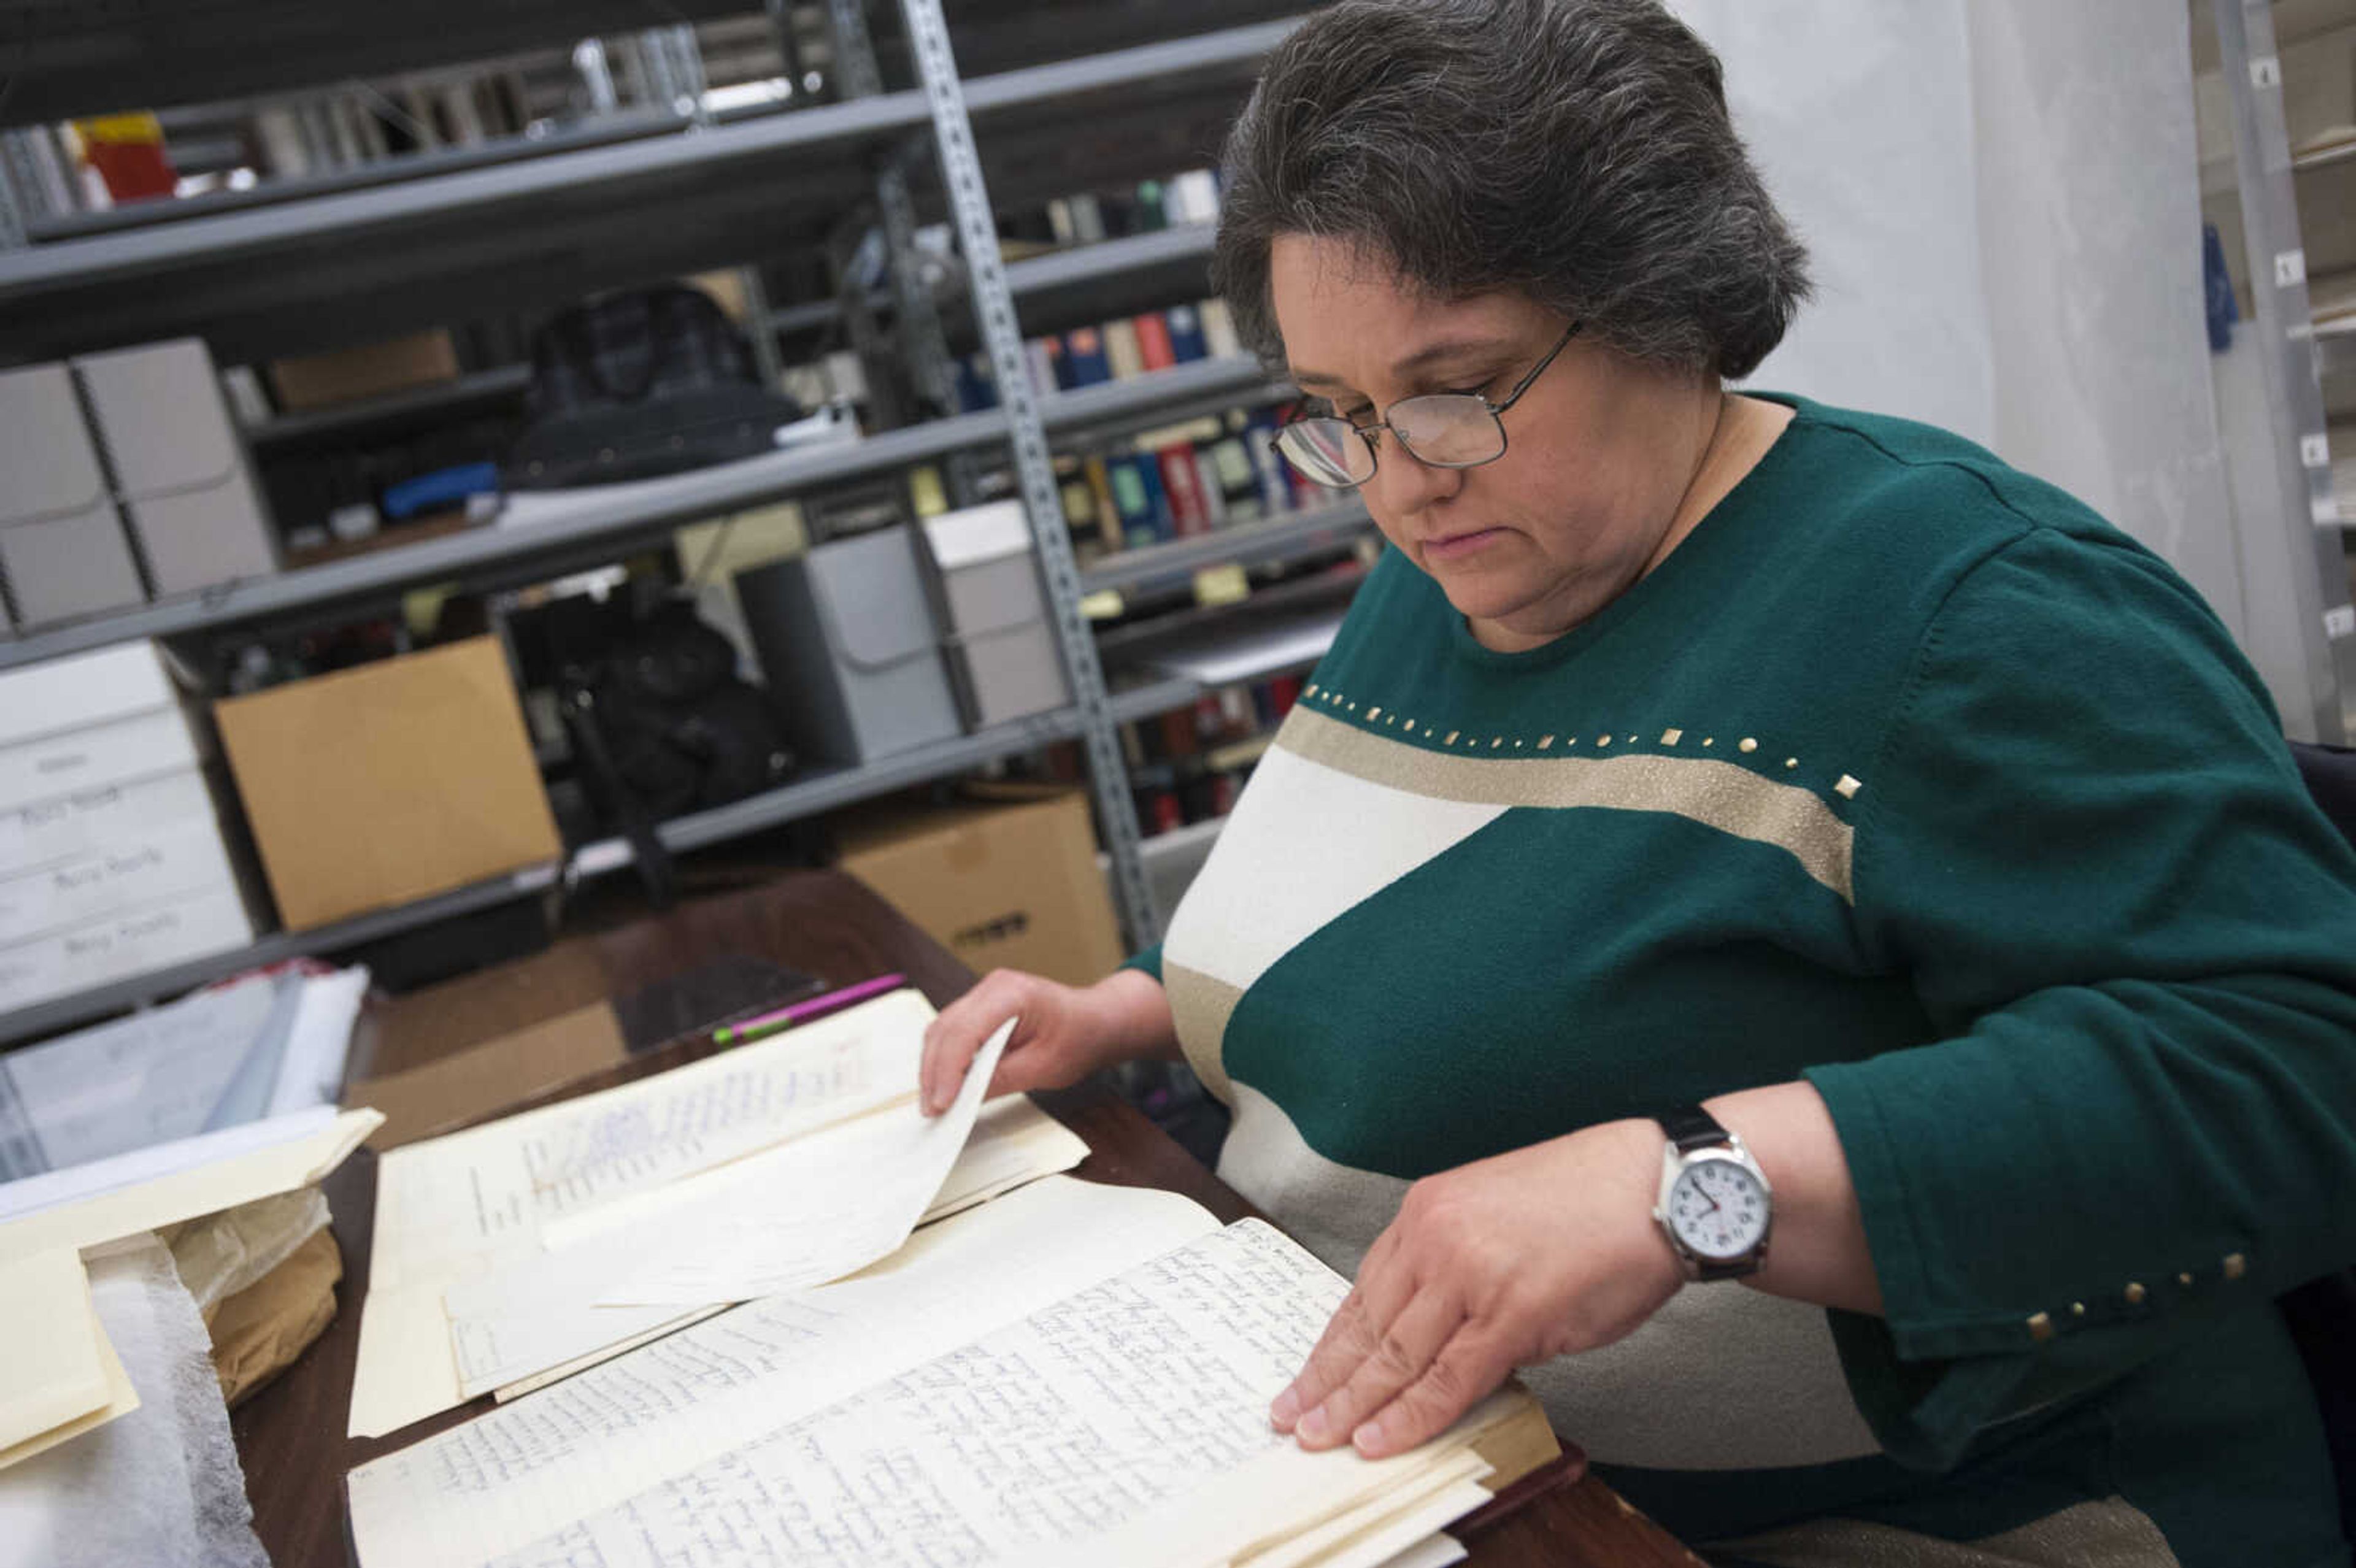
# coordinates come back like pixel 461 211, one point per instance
pixel 291 1435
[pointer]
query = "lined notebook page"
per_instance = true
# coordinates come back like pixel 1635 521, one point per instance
pixel 538 1465
pixel 1126 1423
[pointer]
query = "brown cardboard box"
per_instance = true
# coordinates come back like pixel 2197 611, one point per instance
pixel 322 380
pixel 389 783
pixel 1009 884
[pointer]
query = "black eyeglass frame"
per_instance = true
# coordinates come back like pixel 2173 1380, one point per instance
pixel 1368 432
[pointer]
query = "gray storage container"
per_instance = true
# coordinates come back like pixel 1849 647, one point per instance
pixel 62 549
pixel 179 472
pixel 849 649
pixel 998 630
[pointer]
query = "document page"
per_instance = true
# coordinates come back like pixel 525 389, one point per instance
pixel 795 1216
pixel 1126 1422
pixel 496 1186
pixel 535 1467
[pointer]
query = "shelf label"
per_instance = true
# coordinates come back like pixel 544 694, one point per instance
pixel 2315 449
pixel 1105 604
pixel 2325 510
pixel 2290 267
pixel 2265 71
pixel 2339 622
pixel 1216 585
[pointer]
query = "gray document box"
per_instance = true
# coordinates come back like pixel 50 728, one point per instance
pixel 62 549
pixel 999 637
pixel 848 646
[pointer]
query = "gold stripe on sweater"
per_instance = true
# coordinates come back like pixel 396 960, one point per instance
pixel 1723 796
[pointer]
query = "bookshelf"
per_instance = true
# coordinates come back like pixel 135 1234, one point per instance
pixel 514 227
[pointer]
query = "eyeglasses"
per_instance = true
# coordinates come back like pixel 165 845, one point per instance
pixel 1445 429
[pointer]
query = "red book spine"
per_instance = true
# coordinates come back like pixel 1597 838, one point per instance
pixel 1153 342
pixel 1183 483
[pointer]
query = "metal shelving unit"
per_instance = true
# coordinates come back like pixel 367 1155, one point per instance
pixel 297 261
pixel 1246 544
pixel 594 527
pixel 2314 621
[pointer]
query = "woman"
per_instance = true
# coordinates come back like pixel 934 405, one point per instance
pixel 1752 809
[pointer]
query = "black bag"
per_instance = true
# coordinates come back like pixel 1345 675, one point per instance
pixel 664 727
pixel 640 384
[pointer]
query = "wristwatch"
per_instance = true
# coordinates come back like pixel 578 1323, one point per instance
pixel 1715 1206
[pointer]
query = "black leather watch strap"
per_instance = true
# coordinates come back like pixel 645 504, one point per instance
pixel 1691 1127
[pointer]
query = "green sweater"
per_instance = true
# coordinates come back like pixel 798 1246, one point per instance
pixel 1907 775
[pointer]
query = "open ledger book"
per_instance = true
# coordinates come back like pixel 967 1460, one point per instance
pixel 1069 1374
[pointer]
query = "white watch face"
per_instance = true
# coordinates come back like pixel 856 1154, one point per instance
pixel 1718 1209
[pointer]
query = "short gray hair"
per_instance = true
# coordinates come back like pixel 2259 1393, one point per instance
pixel 1578 151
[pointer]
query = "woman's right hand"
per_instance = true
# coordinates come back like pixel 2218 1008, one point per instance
pixel 1061 1033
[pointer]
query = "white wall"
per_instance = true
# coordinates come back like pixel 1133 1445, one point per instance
pixel 2002 199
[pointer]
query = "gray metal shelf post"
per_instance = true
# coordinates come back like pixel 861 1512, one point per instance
pixel 2318 615
pixel 1001 333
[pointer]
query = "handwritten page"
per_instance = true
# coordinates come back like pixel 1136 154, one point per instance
pixel 496 1186
pixel 1126 1422
pixel 533 1468
pixel 795 1216
pixel 454 1209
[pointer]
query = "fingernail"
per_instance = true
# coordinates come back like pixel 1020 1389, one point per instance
pixel 1313 1426
pixel 1285 1411
pixel 1368 1439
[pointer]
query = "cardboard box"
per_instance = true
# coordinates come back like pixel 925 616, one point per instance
pixel 63 552
pixel 389 783
pixel 322 380
pixel 1010 883
pixel 1000 645
pixel 152 866
pixel 849 649
pixel 179 471
pixel 127 943
pixel 63 827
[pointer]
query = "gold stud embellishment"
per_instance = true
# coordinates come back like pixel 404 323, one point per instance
pixel 1495 741
pixel 2236 1266
pixel 1671 737
pixel 1546 742
pixel 2077 1309
pixel 1354 707
pixel 1603 740
pixel 2184 1278
pixel 1373 714
pixel 1452 738
pixel 1518 745
pixel 1747 745
pixel 1791 763
pixel 2136 1293
pixel 1709 739
pixel 1848 787
pixel 1409 726
pixel 1310 690
pixel 2041 1325
pixel 1392 719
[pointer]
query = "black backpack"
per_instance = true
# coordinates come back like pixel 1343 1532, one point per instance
pixel 640 384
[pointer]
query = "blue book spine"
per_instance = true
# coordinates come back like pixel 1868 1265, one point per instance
pixel 1186 341
pixel 1084 360
pixel 975 388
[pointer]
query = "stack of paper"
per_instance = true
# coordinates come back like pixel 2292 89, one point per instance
pixel 59 1376
pixel 1073 1375
pixel 520 1252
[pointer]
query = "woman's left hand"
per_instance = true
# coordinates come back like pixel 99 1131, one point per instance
pixel 1493 1266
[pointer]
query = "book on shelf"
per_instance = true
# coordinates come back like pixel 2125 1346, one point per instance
pixel 1084 357
pixel 1182 482
pixel 1219 329
pixel 1184 323
pixel 1153 342
pixel 1070 1375
pixel 1124 354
